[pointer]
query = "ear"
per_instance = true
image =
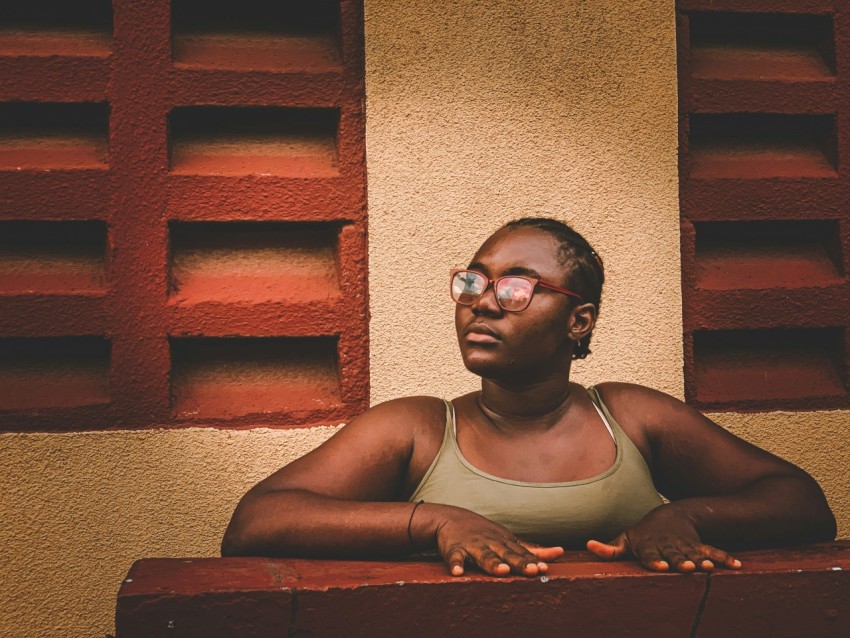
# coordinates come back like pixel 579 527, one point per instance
pixel 582 321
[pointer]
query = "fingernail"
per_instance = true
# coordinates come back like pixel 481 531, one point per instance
pixel 543 567
pixel 457 570
pixel 736 563
pixel 707 565
pixel 688 564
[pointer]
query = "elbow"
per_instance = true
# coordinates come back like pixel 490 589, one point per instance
pixel 827 528
pixel 230 546
pixel 238 538
pixel 233 543
pixel 821 521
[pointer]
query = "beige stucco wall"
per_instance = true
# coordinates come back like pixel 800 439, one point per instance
pixel 477 113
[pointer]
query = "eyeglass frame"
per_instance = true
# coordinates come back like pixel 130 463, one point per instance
pixel 534 281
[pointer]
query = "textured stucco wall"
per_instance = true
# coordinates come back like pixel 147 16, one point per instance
pixel 78 509
pixel 477 113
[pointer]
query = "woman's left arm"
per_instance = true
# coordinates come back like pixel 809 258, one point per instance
pixel 724 492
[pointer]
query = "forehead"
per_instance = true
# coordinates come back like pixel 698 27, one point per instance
pixel 520 248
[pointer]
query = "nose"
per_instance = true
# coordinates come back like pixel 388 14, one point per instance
pixel 486 304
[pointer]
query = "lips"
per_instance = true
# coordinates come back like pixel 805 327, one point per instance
pixel 481 333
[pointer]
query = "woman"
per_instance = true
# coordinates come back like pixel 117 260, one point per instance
pixel 506 477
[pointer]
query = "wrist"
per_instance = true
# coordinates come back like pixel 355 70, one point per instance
pixel 425 521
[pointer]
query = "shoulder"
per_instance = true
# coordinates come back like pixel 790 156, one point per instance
pixel 405 410
pixel 643 413
pixel 403 417
pixel 638 401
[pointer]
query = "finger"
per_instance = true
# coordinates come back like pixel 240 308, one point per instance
pixel 520 560
pixel 527 563
pixel 650 557
pixel 677 559
pixel 455 558
pixel 490 562
pixel 719 557
pixel 699 558
pixel 617 549
pixel 543 553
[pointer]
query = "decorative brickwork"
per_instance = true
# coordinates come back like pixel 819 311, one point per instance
pixel 765 195
pixel 182 214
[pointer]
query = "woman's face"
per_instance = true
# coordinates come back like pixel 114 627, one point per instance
pixel 519 346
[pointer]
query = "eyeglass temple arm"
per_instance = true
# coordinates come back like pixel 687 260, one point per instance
pixel 562 290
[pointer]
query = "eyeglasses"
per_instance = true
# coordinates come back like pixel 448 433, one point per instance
pixel 513 292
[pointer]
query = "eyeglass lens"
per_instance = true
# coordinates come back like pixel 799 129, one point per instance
pixel 512 293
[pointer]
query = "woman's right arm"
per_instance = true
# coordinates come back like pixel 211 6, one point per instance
pixel 347 499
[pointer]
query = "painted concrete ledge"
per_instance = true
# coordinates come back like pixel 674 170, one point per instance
pixel 798 592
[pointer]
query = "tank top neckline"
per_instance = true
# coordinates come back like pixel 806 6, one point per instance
pixel 610 424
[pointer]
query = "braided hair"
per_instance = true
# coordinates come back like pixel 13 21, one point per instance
pixel 587 273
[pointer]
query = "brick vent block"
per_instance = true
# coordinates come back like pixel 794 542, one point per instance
pixel 56 27
pixel 756 46
pixel 183 214
pixel 254 141
pixel 53 136
pixel 262 36
pixel 53 372
pixel 225 378
pixel 763 194
pixel 254 262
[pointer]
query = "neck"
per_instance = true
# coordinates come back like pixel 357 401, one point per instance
pixel 536 404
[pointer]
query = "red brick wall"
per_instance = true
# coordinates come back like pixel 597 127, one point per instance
pixel 764 186
pixel 182 214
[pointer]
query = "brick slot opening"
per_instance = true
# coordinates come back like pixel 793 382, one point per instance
pixel 53 136
pixel 785 367
pixel 761 46
pixel 767 254
pixel 52 257
pixel 289 142
pixel 253 262
pixel 259 35
pixel 53 372
pixel 56 27
pixel 229 377
pixel 757 145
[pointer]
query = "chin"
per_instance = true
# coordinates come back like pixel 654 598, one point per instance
pixel 489 366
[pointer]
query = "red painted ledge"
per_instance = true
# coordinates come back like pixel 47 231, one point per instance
pixel 798 592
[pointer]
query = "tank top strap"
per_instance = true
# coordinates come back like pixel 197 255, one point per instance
pixel 607 418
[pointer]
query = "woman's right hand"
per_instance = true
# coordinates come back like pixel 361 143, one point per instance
pixel 464 537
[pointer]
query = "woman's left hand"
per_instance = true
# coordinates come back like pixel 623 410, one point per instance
pixel 664 540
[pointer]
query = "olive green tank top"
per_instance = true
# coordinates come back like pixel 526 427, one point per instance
pixel 566 514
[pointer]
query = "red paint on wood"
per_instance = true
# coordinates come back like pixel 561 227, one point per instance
pixel 196 598
pixel 782 595
pixel 798 591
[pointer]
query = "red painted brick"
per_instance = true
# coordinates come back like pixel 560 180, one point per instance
pixel 120 78
pixel 763 138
